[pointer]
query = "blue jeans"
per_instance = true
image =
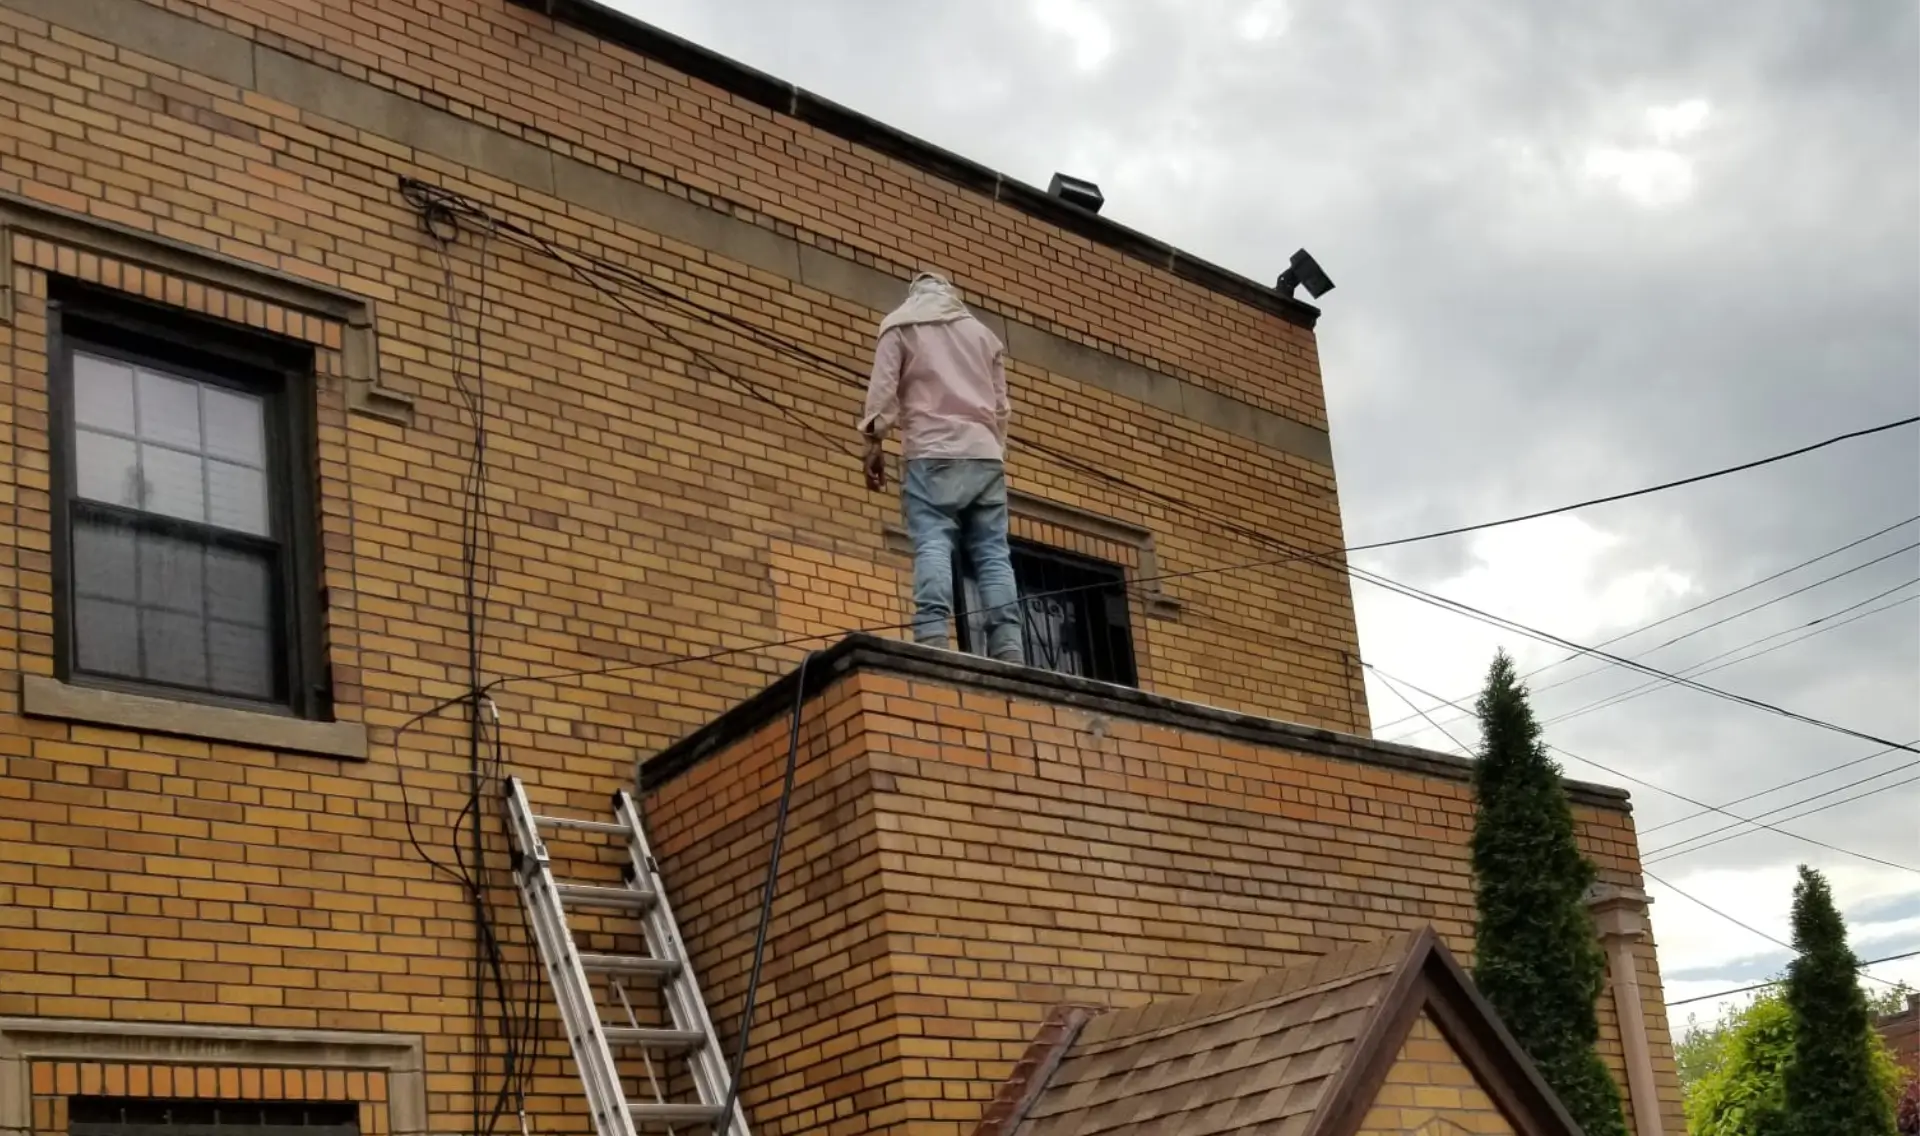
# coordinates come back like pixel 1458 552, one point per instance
pixel 961 499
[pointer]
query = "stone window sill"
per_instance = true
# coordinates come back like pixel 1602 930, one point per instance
pixel 43 697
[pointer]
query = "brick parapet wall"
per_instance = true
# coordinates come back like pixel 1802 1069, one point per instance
pixel 1033 852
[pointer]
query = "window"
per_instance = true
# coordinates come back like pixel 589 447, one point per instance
pixel 183 509
pixel 1073 614
pixel 139 1116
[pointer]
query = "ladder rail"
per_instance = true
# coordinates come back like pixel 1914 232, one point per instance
pixel 681 990
pixel 579 1012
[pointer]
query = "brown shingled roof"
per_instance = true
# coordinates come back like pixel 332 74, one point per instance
pixel 1300 1052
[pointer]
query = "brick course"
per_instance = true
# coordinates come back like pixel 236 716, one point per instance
pixel 1431 1092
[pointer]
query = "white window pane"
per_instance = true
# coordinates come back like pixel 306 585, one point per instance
pixel 102 393
pixel 106 637
pixel 103 559
pixel 175 648
pixel 241 659
pixel 171 573
pixel 169 410
pixel 236 426
pixel 239 587
pixel 237 497
pixel 107 469
pixel 174 483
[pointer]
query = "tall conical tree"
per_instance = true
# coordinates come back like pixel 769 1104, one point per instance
pixel 1833 1083
pixel 1536 955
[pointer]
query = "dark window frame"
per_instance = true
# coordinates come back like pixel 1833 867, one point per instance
pixel 278 370
pixel 153 1116
pixel 1105 619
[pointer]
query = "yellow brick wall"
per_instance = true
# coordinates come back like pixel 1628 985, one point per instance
pixel 641 509
pixel 1429 1091
pixel 979 857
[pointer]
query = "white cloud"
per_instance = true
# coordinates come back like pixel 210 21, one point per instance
pixel 1651 177
pixel 1560 574
pixel 1681 120
pixel 1268 19
pixel 1659 176
pixel 1082 25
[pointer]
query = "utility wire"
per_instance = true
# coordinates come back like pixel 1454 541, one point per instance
pixel 1663 486
pixel 1859 968
pixel 1643 870
pixel 1623 774
pixel 1805 813
pixel 1775 982
pixel 505 226
pixel 1814 776
pixel 1813 627
pixel 1686 611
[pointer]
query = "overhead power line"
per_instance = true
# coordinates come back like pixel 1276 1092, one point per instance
pixel 1684 612
pixel 1804 813
pixel 1642 492
pixel 1776 982
pixel 1812 628
pixel 1814 776
pixel 1643 871
pixel 1638 780
pixel 508 229
pixel 1860 969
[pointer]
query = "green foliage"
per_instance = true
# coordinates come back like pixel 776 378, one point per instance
pixel 1744 1093
pixel 1535 953
pixel 1889 1000
pixel 1840 1079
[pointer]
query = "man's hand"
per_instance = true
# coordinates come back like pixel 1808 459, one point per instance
pixel 876 465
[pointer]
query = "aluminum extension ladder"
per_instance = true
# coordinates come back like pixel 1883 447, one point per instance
pixel 665 965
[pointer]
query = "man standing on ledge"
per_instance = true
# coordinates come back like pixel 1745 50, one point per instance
pixel 941 375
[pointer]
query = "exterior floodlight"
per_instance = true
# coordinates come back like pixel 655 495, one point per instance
pixel 1080 192
pixel 1303 269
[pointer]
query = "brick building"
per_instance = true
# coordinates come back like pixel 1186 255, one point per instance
pixel 1901 1031
pixel 357 355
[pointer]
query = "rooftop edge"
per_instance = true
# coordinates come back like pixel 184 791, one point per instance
pixel 862 652
pixel 789 99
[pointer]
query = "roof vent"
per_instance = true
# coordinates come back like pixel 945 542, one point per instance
pixel 1076 191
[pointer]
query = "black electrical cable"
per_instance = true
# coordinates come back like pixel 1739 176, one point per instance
pixel 1814 776
pixel 1803 813
pixel 550 250
pixel 766 899
pixel 1684 612
pixel 1641 654
pixel 1294 556
pixel 1813 627
pixel 442 224
pixel 1777 982
pixel 1703 903
pixel 1624 775
pixel 1417 593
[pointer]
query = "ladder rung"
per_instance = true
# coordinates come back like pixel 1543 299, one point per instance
pixel 660 1039
pixel 593 895
pixel 606 826
pixel 675 1113
pixel 629 964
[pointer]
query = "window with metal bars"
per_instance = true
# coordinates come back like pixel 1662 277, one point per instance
pixel 185 545
pixel 1073 613
pixel 141 1116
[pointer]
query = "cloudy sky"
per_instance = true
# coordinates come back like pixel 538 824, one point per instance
pixel 1580 248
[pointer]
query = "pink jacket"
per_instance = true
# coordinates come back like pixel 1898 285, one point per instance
pixel 945 384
